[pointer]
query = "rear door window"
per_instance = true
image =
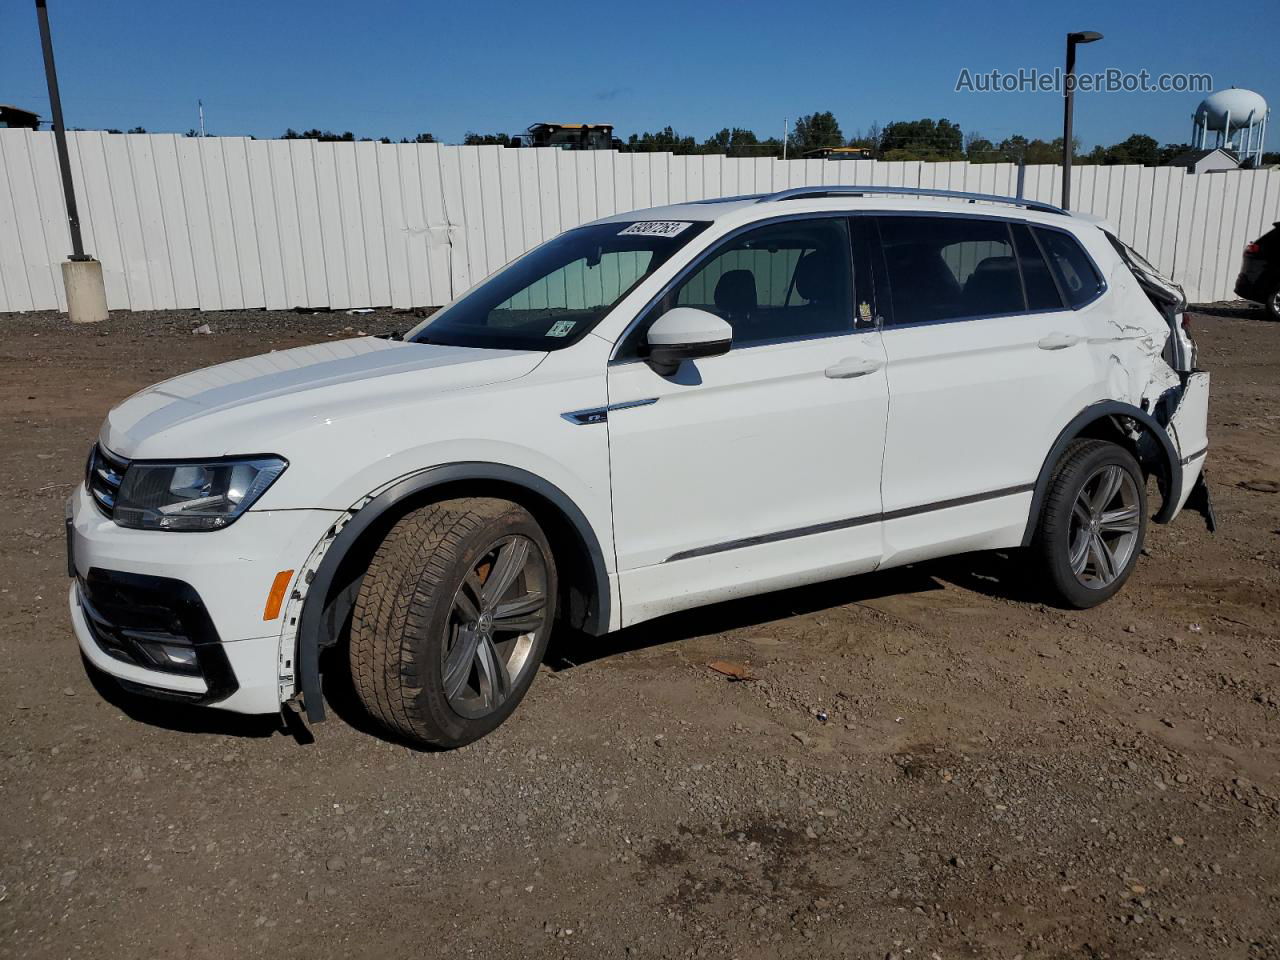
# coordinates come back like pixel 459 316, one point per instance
pixel 1077 277
pixel 950 268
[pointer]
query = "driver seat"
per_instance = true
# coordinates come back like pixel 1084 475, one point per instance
pixel 735 296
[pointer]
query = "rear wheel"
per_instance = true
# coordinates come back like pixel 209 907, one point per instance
pixel 1092 524
pixel 1273 304
pixel 452 620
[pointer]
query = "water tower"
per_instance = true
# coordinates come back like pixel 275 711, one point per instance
pixel 1235 120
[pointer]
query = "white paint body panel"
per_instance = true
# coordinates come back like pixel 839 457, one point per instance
pixel 976 406
pixel 755 470
pixel 1191 431
pixel 231 570
pixel 744 445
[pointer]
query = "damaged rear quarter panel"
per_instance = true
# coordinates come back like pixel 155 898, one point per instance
pixel 1127 340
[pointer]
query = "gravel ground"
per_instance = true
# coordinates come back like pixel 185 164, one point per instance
pixel 931 763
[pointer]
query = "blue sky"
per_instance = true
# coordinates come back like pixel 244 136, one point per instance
pixel 396 68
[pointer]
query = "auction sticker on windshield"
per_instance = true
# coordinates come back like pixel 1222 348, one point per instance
pixel 655 228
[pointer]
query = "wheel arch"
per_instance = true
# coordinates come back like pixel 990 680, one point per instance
pixel 331 592
pixel 1152 447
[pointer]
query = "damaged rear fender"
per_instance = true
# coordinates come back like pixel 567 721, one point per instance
pixel 1153 448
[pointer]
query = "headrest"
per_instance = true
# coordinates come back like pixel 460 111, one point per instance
pixel 736 292
pixel 816 276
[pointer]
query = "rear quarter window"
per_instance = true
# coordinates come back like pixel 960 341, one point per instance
pixel 1042 290
pixel 1077 277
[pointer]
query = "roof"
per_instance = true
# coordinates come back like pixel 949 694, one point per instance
pixel 10 108
pixel 1190 158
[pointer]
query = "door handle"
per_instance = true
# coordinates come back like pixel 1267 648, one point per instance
pixel 851 367
pixel 1058 341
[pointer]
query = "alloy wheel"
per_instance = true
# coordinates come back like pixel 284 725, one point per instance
pixel 497 611
pixel 1104 527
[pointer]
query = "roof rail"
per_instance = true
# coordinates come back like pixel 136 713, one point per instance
pixel 797 193
pixel 742 196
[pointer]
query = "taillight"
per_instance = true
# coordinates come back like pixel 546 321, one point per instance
pixel 1186 324
pixel 1252 249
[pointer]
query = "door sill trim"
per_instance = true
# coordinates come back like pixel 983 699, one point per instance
pixel 832 525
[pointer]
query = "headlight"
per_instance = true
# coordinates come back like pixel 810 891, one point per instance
pixel 192 496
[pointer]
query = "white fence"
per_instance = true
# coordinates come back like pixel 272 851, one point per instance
pixel 227 222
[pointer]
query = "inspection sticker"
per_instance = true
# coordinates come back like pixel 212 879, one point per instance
pixel 655 228
pixel 561 328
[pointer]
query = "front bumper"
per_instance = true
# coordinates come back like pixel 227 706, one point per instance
pixel 135 592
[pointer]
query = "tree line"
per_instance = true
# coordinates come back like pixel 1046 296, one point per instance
pixel 817 133
pixel 926 139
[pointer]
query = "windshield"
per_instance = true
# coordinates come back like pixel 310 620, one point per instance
pixel 557 292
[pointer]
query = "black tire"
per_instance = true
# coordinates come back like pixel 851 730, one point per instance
pixel 1272 303
pixel 408 618
pixel 1061 526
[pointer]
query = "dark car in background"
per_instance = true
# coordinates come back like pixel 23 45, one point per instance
pixel 1259 278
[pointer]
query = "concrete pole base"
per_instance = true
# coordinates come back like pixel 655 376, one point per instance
pixel 86 292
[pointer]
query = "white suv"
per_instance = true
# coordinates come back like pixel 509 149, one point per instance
pixel 654 411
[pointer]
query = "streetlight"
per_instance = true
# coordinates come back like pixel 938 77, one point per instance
pixel 1083 36
pixel 81 274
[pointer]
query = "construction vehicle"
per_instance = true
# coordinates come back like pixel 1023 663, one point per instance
pixel 569 136
pixel 838 153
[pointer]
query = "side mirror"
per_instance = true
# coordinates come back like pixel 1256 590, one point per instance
pixel 685 333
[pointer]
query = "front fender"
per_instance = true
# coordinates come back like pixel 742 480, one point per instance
pixel 320 621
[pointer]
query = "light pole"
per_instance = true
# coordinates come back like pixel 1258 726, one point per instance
pixel 60 132
pixel 1084 36
pixel 81 274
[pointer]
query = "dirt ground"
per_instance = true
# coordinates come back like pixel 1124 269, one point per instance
pixel 931 763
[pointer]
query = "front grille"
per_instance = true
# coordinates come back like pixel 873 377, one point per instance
pixel 103 476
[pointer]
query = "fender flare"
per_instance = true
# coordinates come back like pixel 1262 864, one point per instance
pixel 318 624
pixel 1085 418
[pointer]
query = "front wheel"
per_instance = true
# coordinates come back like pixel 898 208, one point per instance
pixel 1092 524
pixel 452 620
